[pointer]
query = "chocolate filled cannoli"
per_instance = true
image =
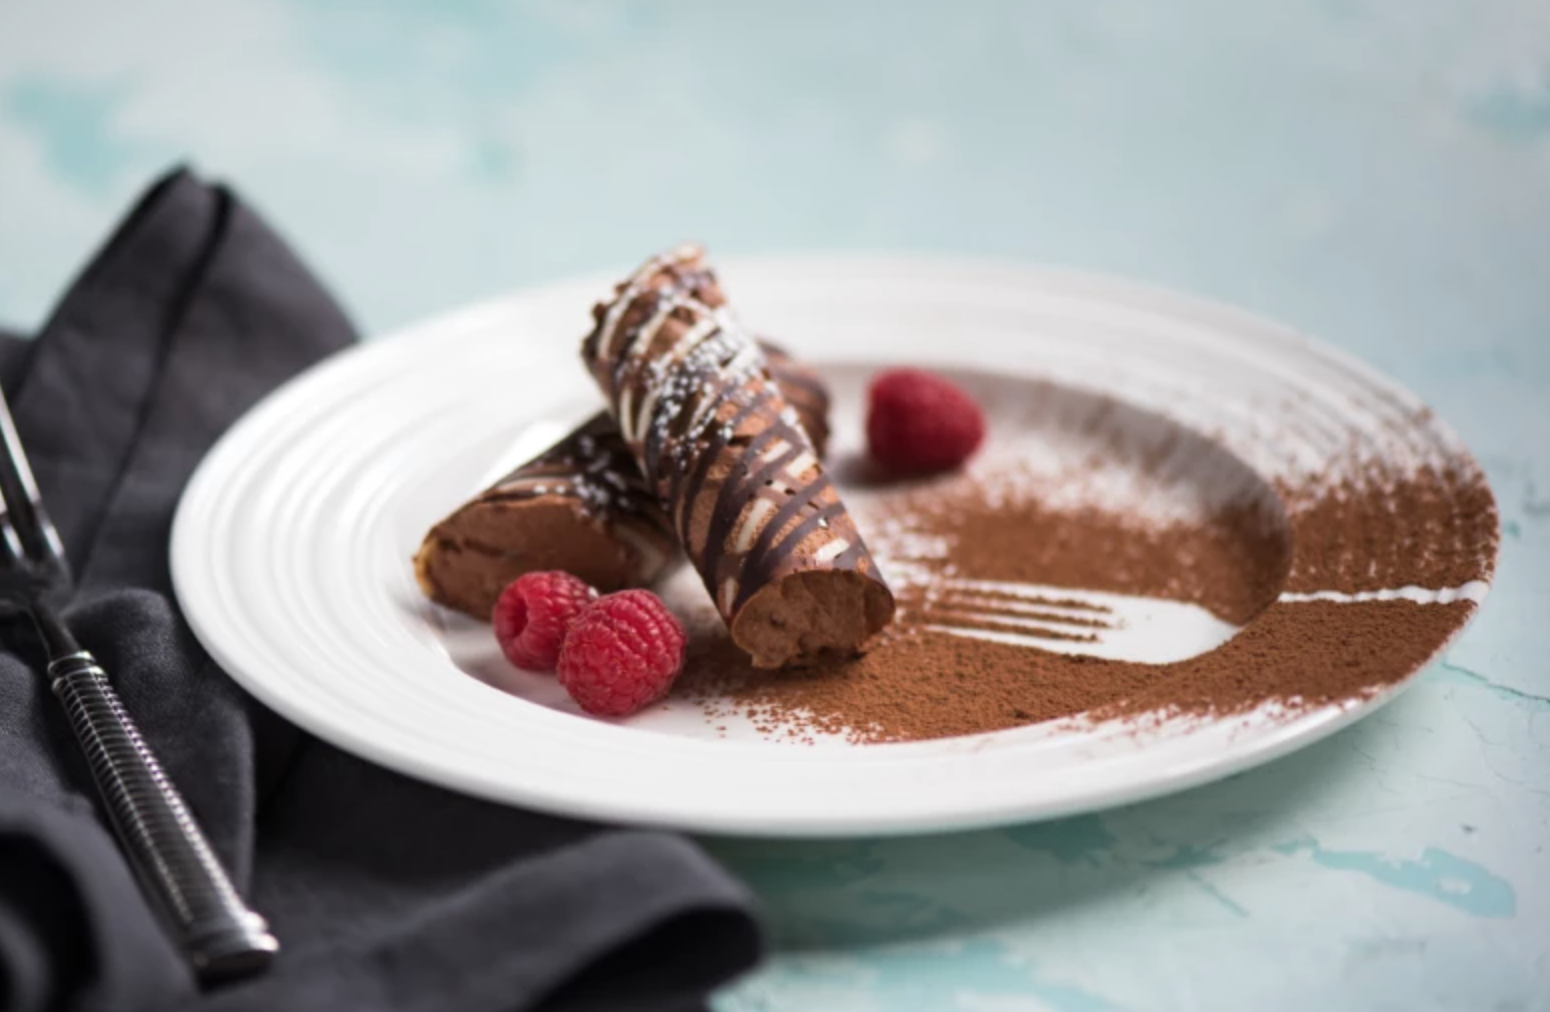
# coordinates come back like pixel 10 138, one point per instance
pixel 580 506
pixel 723 450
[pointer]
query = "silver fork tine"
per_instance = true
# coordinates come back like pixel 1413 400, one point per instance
pixel 28 531
pixel 14 552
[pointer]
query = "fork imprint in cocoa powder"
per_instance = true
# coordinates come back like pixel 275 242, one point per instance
pixel 220 936
pixel 1121 627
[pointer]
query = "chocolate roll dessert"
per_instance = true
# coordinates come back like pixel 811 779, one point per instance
pixel 722 448
pixel 580 506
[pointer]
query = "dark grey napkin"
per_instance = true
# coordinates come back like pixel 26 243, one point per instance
pixel 388 894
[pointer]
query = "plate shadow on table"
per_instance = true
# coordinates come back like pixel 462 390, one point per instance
pixel 876 891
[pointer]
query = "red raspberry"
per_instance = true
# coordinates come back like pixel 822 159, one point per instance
pixel 533 614
pixel 917 422
pixel 622 653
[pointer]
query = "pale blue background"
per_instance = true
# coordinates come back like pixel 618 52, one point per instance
pixel 1373 171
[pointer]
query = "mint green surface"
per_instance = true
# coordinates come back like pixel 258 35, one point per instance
pixel 1376 172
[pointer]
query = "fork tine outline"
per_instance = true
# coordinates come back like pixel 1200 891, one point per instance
pixel 1013 609
pixel 29 533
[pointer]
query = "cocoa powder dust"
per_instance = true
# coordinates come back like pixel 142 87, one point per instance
pixel 1428 529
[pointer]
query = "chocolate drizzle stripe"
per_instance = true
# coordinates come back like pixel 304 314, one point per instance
pixel 537 490
pixel 715 392
pixel 622 377
pixel 717 384
pixel 854 557
pixel 658 434
pixel 721 517
pixel 749 362
pixel 632 290
pixel 691 339
pixel 760 479
pixel 766 555
pixel 686 488
pixel 740 490
pixel 659 437
pixel 798 499
pixel 778 546
pixel 633 350
pixel 558 471
pixel 693 381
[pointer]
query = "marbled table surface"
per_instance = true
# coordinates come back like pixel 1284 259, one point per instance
pixel 1376 172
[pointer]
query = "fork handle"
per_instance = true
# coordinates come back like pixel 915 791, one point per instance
pixel 220 935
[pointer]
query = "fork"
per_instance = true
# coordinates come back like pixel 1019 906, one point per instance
pixel 219 935
pixel 1121 627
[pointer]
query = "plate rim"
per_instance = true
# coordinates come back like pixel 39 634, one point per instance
pixel 1286 737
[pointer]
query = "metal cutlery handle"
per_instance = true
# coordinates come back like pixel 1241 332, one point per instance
pixel 222 937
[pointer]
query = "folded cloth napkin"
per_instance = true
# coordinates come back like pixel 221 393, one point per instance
pixel 387 893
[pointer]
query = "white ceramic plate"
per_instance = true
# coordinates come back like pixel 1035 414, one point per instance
pixel 292 544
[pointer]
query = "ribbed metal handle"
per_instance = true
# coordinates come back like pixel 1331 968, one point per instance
pixel 221 936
